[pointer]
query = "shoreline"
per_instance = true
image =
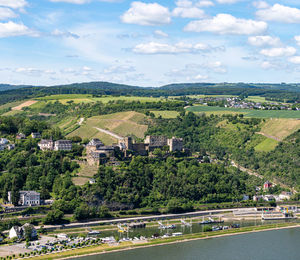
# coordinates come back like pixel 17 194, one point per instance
pixel 148 244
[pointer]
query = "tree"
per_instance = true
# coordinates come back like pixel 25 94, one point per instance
pixel 54 217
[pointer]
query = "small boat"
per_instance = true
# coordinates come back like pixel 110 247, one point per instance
pixel 176 234
pixel 216 228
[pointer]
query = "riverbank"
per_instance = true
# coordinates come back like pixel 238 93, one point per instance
pixel 102 249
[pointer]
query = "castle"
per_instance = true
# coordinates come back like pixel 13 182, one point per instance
pixel 98 153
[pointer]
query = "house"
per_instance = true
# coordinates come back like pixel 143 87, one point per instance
pixel 287 208
pixel 20 136
pixel 20 232
pixel 92 181
pixel 2 147
pixel 3 141
pixel 10 146
pixel 27 198
pixel 63 145
pixel 285 195
pixel 245 197
pixel 267 185
pixel 35 135
pixel 46 144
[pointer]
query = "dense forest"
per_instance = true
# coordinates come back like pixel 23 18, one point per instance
pixel 280 92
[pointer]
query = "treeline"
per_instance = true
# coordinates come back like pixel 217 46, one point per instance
pixel 280 91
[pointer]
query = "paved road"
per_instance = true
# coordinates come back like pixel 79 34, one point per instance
pixel 146 218
pixel 109 133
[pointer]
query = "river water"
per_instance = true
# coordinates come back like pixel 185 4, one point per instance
pixel 281 244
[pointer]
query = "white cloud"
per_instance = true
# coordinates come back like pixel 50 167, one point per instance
pixel 227 1
pixel 188 12
pixel 184 3
pixel 163 48
pixel 297 39
pixel 295 59
pixel 15 4
pixel 261 4
pixel 205 3
pixel 59 33
pixel 33 71
pixel 227 24
pixel 201 77
pixel 78 2
pixel 146 14
pixel 280 13
pixel 267 65
pixel 6 13
pixel 279 52
pixel 14 29
pixel 160 33
pixel 263 40
pixel 119 69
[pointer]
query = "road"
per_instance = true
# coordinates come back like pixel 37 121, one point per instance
pixel 146 218
pixel 109 133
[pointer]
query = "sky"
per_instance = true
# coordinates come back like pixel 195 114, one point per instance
pixel 149 43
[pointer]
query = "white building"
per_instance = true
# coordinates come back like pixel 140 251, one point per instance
pixel 19 232
pixel 46 144
pixel 27 198
pixel 3 141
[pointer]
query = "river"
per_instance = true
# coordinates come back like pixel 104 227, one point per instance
pixel 266 245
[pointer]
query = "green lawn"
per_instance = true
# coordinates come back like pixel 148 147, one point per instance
pixel 82 98
pixel 267 145
pixel 166 114
pixel 247 112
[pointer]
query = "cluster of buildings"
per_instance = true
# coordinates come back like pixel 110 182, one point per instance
pixel 271 197
pixel 98 153
pixel 60 145
pixel 4 144
pixel 236 102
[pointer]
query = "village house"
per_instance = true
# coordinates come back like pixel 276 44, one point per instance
pixel 46 144
pixel 3 141
pixel 20 136
pixel 35 135
pixel 63 145
pixel 60 145
pixel 27 198
pixel 20 232
pixel 267 185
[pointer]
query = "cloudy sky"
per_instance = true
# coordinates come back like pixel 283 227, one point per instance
pixel 149 43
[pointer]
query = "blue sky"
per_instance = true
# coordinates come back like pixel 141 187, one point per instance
pixel 149 43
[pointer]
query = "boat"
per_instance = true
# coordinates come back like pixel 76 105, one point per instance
pixel 277 216
pixel 176 234
pixel 216 228
pixel 210 221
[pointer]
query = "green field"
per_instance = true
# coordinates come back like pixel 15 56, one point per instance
pixel 247 112
pixel 166 114
pixel 267 145
pixel 82 98
pixel 257 99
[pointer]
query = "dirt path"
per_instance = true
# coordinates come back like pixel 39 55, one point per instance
pixel 109 133
pixel 269 136
pixel 250 172
pixel 81 121
pixel 25 104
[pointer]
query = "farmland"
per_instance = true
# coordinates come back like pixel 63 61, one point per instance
pixel 267 145
pixel 246 112
pixel 165 114
pixel 123 123
pixel 81 98
pixel 280 128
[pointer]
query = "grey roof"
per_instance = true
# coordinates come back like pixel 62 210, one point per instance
pixel 63 142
